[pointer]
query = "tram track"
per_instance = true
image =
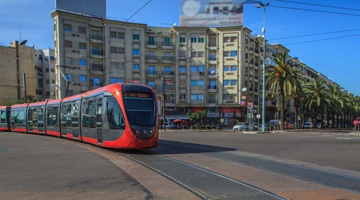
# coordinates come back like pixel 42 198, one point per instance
pixel 203 183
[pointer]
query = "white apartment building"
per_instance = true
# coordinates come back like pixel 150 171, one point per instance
pixel 45 74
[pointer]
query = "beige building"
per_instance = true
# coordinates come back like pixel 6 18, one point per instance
pixel 45 71
pixel 213 69
pixel 14 61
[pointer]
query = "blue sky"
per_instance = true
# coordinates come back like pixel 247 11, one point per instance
pixel 338 59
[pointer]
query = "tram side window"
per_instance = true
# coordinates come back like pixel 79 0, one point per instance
pixel 65 114
pixel 114 114
pixel 40 116
pixel 20 117
pixel 3 116
pixel 52 116
pixel 75 114
pixel 89 113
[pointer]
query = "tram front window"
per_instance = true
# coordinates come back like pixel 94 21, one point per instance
pixel 140 109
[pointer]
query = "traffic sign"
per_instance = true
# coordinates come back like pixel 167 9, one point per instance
pixel 258 116
pixel 355 122
pixel 250 104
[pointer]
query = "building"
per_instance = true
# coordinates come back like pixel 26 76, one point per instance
pixel 45 71
pixel 16 60
pixel 212 69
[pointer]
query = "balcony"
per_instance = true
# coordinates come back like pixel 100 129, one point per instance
pixel 96 53
pixel 97 38
pixel 167 45
pixel 152 58
pixel 167 73
pixel 212 88
pixel 167 59
pixel 212 101
pixel 152 44
pixel 152 73
pixel 97 67
pixel 212 74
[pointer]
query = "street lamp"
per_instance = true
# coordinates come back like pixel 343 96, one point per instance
pixel 261 5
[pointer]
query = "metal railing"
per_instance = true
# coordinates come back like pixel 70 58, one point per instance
pixel 97 37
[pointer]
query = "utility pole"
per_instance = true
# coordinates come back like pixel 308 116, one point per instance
pixel 24 84
pixel 17 68
pixel 163 91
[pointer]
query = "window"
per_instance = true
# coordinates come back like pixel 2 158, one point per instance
pixel 47 81
pixel 118 50
pixel 200 82
pixel 182 39
pixel 113 34
pixel 166 39
pixel 151 40
pixel 96 81
pixel 226 82
pixel 212 56
pixel 136 36
pixel 200 54
pixel 3 116
pixel 193 54
pixel 167 69
pixel 89 113
pixel 192 82
pixel 52 58
pixel 193 69
pixel 68 77
pixel 201 68
pixel 47 69
pixel 182 69
pixel 52 116
pixel 212 84
pixel 182 54
pixel 82 29
pixel 193 40
pixel 151 83
pixel 82 62
pixel 182 97
pixel 226 68
pixel 233 68
pixel 201 40
pixel 226 54
pixel 114 114
pixel 182 82
pixel 82 78
pixel 200 97
pixel 193 97
pixel 82 46
pixel 136 52
pixel 233 53
pixel 151 70
pixel 233 82
pixel 117 65
pixel 68 61
pixel 68 44
pixel 136 67
pixel 121 35
pixel 67 27
pixel 212 71
pixel 113 80
pixel 140 111
pixel 226 39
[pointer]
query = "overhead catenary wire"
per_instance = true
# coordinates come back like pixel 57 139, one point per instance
pixel 333 38
pixel 315 34
pixel 318 5
pixel 311 10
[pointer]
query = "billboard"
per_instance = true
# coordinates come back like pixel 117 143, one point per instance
pixel 211 13
pixel 96 8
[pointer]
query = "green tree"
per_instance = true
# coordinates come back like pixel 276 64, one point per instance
pixel 282 80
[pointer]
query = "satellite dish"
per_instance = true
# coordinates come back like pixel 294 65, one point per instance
pixel 23 42
pixel 174 24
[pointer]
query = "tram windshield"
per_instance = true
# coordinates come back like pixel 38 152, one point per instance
pixel 140 109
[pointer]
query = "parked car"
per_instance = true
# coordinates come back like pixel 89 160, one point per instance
pixel 240 127
pixel 308 125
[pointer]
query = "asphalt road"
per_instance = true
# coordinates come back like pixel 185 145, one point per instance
pixel 331 148
pixel 185 165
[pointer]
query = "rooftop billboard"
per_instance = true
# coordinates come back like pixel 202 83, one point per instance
pixel 211 13
pixel 96 8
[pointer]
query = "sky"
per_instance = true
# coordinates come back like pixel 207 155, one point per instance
pixel 338 59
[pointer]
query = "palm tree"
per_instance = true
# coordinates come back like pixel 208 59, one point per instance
pixel 298 97
pixel 317 97
pixel 282 80
pixel 336 103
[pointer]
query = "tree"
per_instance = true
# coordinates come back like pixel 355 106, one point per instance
pixel 282 80
pixel 335 104
pixel 298 97
pixel 316 98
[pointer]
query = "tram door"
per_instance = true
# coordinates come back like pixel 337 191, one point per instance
pixel 75 119
pixel 40 121
pixel 99 120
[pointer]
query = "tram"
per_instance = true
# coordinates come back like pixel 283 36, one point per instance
pixel 120 116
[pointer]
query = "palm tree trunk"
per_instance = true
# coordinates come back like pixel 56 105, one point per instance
pixel 282 107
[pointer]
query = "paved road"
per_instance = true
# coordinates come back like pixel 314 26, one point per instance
pixel 335 149
pixel 185 165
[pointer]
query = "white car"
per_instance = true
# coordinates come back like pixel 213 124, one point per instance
pixel 240 127
pixel 308 125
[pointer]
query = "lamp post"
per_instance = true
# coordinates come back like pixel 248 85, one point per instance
pixel 261 5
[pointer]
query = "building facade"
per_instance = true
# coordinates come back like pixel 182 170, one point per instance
pixel 16 60
pixel 45 71
pixel 212 69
